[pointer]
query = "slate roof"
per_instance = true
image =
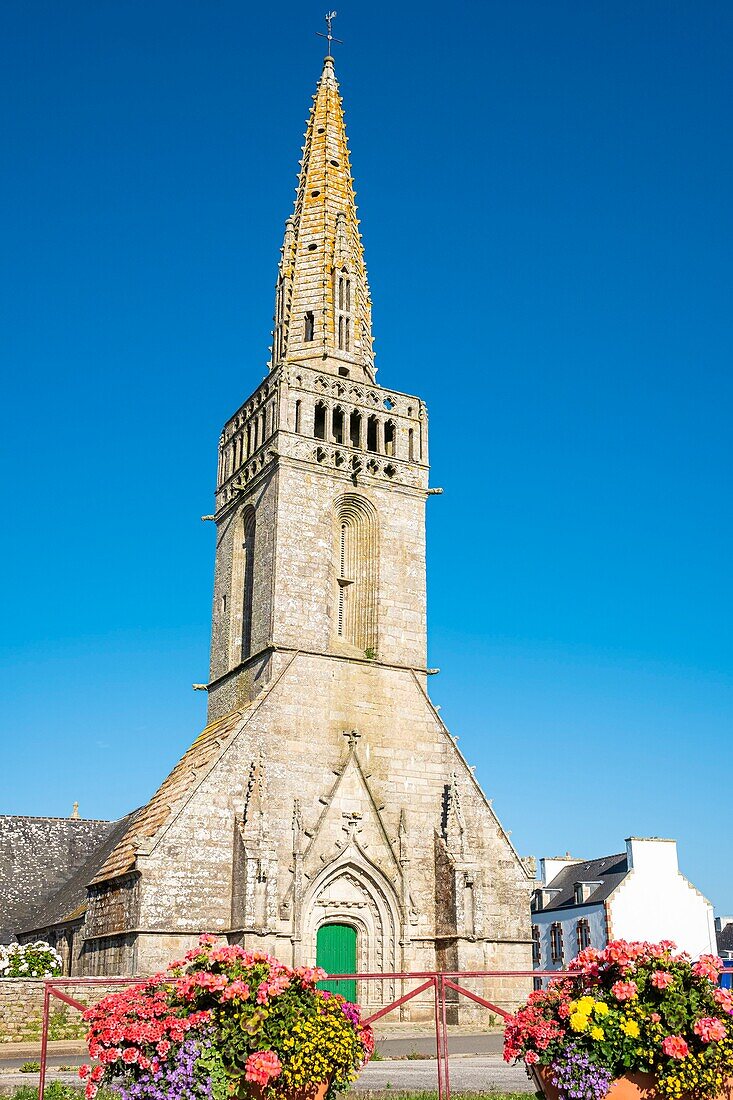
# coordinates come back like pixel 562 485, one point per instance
pixel 725 940
pixel 70 902
pixel 38 855
pixel 608 870
pixel 146 822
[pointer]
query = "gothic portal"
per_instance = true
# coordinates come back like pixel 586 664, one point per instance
pixel 325 809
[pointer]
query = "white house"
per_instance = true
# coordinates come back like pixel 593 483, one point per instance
pixel 636 895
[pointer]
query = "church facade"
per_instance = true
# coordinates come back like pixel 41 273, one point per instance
pixel 324 813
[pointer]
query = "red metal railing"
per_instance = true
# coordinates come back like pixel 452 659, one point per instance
pixel 440 982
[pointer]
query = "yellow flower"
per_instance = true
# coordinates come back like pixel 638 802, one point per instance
pixel 579 1021
pixel 584 1005
pixel 630 1028
pixel 597 1033
pixel 600 1008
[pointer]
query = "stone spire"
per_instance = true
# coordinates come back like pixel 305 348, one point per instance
pixel 322 301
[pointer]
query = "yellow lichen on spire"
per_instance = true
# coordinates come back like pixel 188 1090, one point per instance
pixel 322 304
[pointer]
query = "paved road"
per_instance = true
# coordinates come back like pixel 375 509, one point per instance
pixel 467 1074
pixel 487 1042
pixel 479 1074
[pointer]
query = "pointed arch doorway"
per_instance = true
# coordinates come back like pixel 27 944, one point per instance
pixel 336 953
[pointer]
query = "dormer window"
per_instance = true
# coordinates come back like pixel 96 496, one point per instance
pixel 583 890
pixel 309 328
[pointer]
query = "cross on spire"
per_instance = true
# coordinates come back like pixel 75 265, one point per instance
pixel 329 17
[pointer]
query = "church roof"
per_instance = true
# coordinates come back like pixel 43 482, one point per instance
pixel 145 823
pixel 322 239
pixel 38 855
pixel 69 903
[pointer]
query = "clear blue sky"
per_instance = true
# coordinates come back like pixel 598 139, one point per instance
pixel 545 192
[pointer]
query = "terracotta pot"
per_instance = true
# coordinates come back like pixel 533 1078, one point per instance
pixel 632 1086
pixel 257 1092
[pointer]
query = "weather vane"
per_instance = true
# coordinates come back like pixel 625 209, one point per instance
pixel 329 17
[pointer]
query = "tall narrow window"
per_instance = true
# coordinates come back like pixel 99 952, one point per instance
pixel 297 416
pixel 249 439
pixel 372 433
pixel 242 590
pixel 556 945
pixel 248 571
pixel 411 445
pixel 536 946
pixel 583 933
pixel 389 438
pixel 310 328
pixel 319 421
pixel 342 302
pixel 338 425
pixel 355 429
pixel 343 581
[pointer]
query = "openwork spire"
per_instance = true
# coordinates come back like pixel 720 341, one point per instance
pixel 322 302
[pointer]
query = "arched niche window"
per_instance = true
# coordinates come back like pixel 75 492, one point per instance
pixel 240 646
pixel 309 328
pixel 319 421
pixel 389 438
pixel 355 429
pixel 338 425
pixel 357 568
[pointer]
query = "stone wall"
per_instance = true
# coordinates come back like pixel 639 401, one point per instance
pixel 21 1010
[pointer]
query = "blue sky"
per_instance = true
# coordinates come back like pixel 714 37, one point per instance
pixel 545 201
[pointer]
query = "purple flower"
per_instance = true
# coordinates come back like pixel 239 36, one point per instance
pixel 576 1077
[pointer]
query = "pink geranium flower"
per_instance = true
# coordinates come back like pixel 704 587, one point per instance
pixel 710 1029
pixel 531 1057
pixel 674 1046
pixel 661 979
pixel 624 991
pixel 261 1066
pixel 707 966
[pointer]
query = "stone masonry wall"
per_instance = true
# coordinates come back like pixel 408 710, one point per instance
pixel 21 1010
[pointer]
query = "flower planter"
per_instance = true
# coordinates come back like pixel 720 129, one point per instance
pixel 259 1092
pixel 632 1086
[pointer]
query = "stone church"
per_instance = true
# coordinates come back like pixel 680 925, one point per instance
pixel 324 813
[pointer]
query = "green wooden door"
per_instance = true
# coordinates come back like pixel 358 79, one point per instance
pixel 336 953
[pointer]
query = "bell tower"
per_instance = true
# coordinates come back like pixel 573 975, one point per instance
pixel 323 473
pixel 325 806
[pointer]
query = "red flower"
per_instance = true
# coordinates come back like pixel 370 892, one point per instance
pixel 710 1029
pixel 708 966
pixel 674 1046
pixel 624 991
pixel 261 1066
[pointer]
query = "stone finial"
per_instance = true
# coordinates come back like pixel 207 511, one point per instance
pixel 75 812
